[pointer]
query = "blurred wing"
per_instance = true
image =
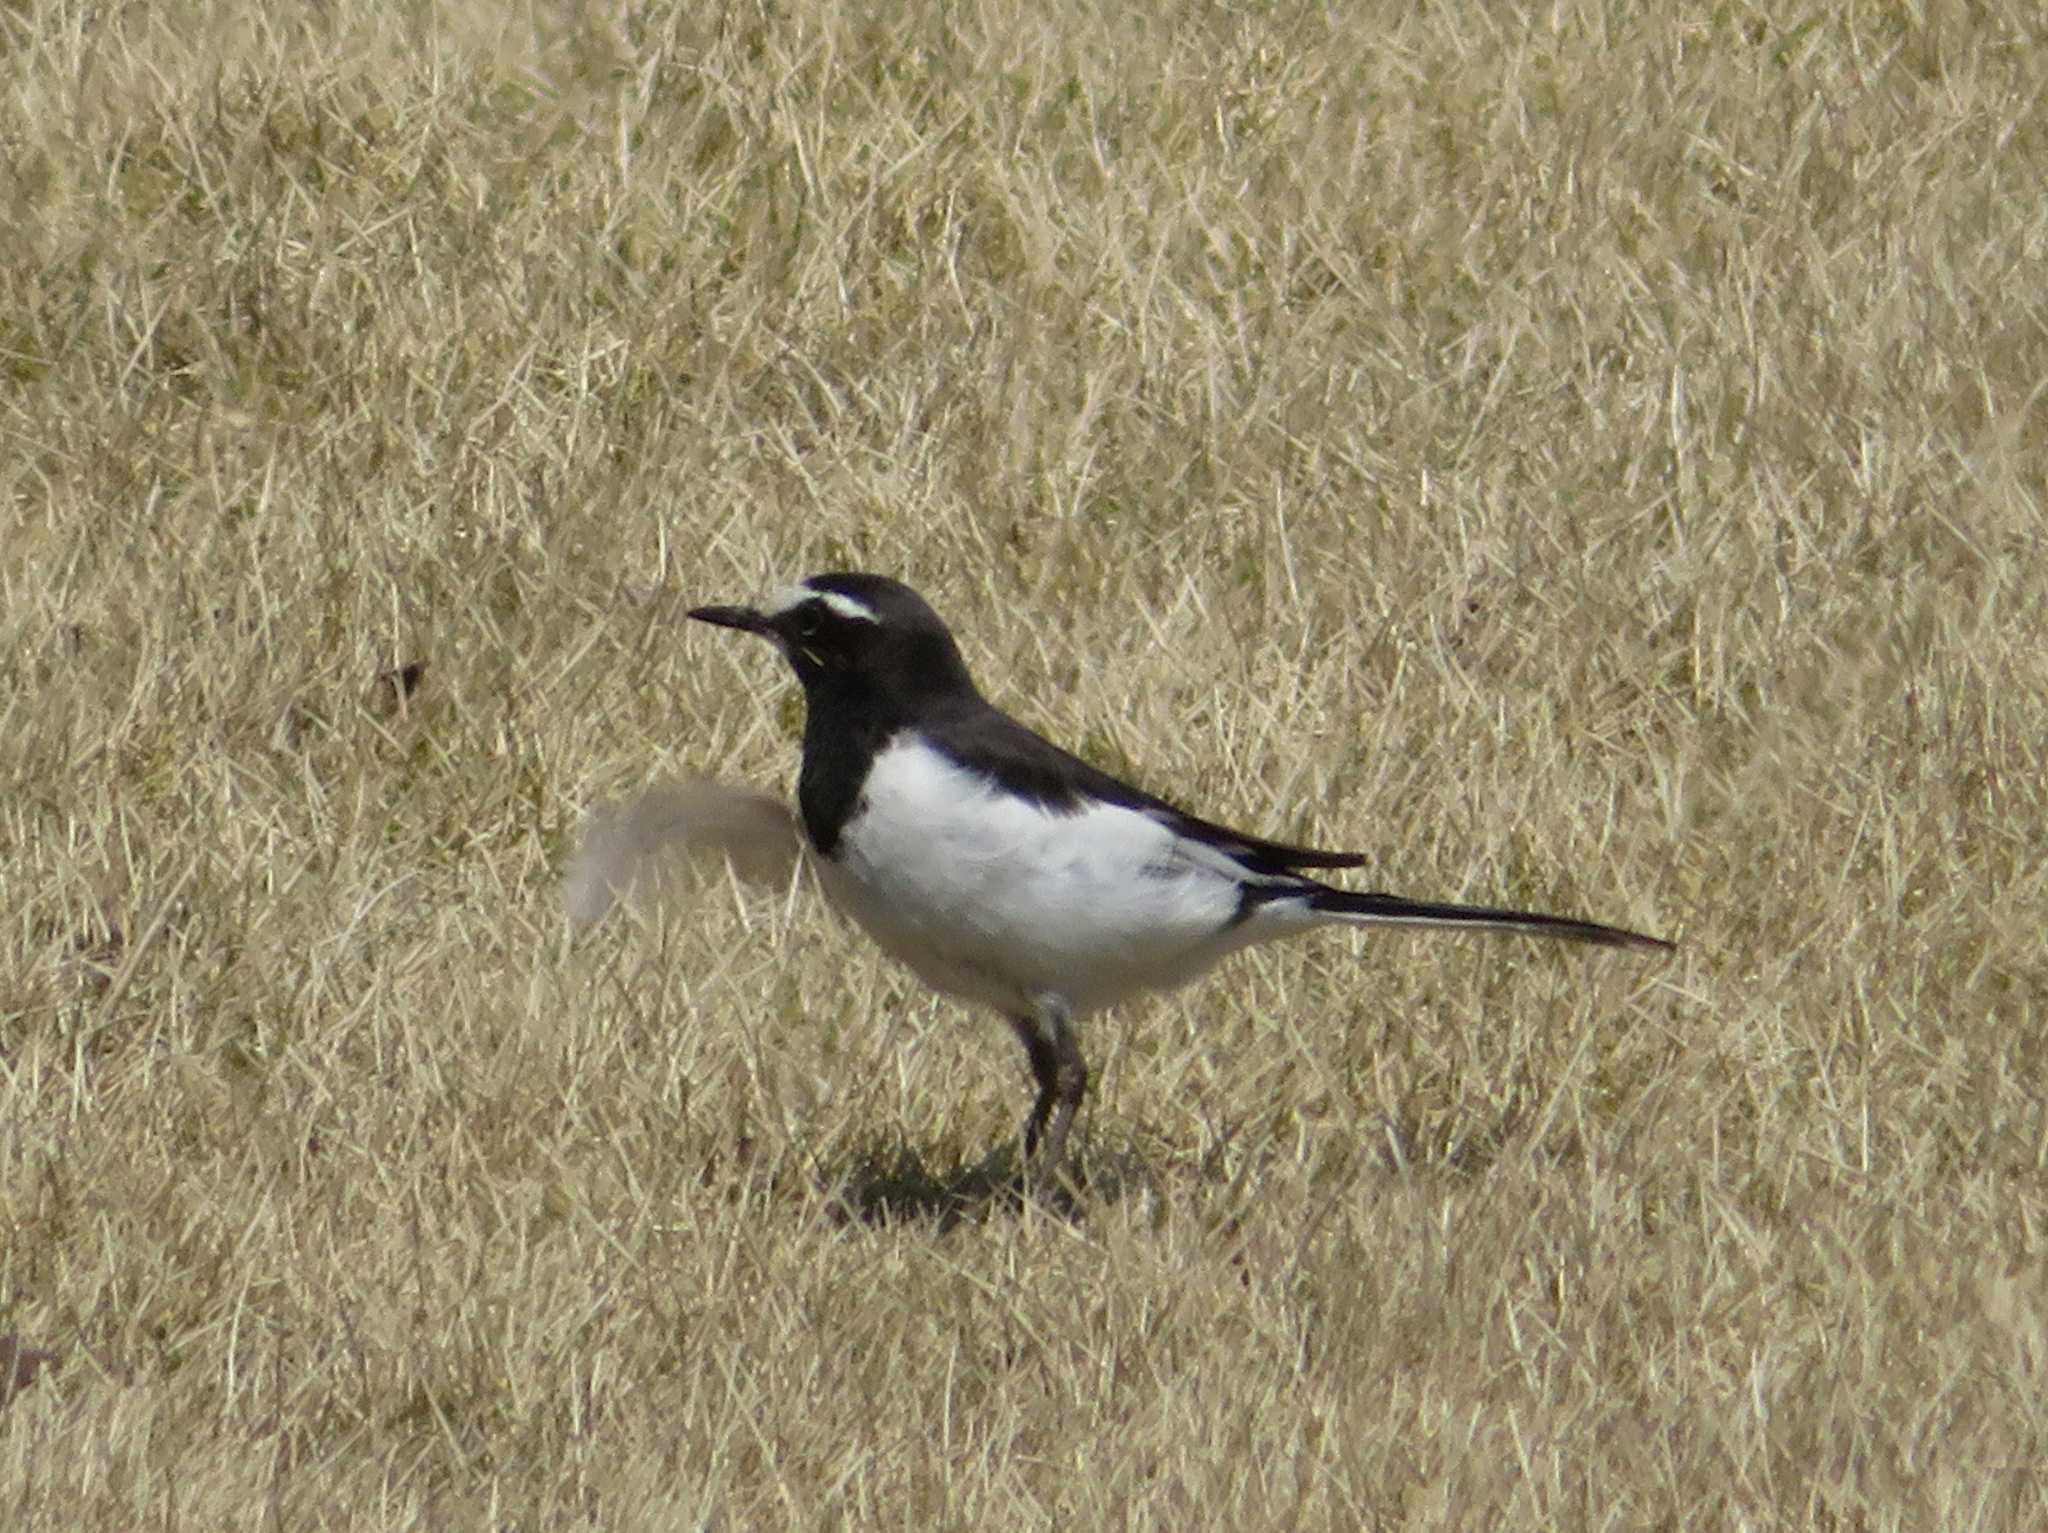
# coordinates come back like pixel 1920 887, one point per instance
pixel 676 831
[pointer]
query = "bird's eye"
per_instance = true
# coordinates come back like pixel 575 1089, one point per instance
pixel 808 624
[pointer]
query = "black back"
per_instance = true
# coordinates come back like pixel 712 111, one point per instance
pixel 866 681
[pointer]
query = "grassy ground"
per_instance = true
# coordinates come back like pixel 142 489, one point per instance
pixel 1589 457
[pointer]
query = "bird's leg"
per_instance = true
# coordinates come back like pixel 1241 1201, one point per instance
pixel 1062 1077
pixel 1045 1069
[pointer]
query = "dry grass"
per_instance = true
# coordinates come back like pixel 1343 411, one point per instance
pixel 1589 458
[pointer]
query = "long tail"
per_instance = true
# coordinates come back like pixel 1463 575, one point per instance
pixel 1375 909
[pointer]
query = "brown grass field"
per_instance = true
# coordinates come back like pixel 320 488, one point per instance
pixel 1590 456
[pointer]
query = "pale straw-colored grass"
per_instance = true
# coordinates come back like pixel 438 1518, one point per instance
pixel 1588 457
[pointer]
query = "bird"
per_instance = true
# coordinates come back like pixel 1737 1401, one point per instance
pixel 1004 870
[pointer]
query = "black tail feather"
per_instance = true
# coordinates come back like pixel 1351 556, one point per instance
pixel 1376 909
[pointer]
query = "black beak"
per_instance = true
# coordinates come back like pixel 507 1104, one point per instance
pixel 746 619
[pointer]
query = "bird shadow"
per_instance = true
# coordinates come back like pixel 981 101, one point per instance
pixel 892 1184
pixel 880 1184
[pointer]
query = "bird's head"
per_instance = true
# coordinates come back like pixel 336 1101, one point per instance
pixel 854 633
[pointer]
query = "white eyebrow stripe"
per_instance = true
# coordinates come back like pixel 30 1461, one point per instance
pixel 847 607
pixel 790 597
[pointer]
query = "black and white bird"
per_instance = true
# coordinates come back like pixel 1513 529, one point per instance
pixel 1003 870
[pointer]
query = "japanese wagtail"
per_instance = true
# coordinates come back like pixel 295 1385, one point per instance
pixel 1001 869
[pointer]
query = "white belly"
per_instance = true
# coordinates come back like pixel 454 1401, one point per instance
pixel 1015 905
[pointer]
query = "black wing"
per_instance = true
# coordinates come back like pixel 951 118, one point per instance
pixel 986 740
